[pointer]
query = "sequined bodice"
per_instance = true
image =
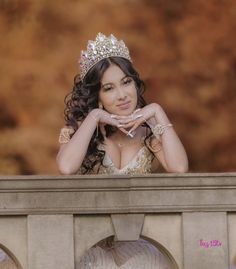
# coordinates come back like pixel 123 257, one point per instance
pixel 141 163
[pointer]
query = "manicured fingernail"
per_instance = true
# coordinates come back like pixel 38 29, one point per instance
pixel 137 110
pixel 130 134
pixel 120 125
pixel 138 116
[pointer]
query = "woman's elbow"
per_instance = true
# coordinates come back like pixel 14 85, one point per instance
pixel 183 169
pixel 65 171
pixel 64 168
pixel 179 169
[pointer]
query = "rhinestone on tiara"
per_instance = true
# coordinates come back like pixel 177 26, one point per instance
pixel 103 47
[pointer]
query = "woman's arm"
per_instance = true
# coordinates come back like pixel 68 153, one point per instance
pixel 172 154
pixel 71 154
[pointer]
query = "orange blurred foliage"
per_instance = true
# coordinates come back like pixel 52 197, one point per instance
pixel 184 50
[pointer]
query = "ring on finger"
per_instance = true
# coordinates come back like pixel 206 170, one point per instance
pixel 137 110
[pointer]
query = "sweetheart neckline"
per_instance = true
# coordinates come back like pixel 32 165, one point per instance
pixel 133 158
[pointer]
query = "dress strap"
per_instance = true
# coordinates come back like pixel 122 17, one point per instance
pixel 154 144
pixel 65 134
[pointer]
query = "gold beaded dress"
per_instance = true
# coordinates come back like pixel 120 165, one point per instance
pixel 142 163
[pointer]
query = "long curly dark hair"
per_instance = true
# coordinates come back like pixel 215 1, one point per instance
pixel 84 98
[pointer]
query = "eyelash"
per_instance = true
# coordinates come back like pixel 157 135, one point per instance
pixel 107 89
pixel 126 82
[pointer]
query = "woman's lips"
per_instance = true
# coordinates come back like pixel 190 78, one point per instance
pixel 124 105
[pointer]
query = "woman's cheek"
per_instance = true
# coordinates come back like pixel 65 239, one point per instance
pixel 110 100
pixel 133 93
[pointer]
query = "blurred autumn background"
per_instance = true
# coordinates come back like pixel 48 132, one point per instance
pixel 185 50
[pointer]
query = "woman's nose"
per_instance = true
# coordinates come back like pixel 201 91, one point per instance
pixel 121 94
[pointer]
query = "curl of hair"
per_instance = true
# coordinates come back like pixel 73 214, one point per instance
pixel 84 97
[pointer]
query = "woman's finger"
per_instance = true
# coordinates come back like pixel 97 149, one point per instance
pixel 123 118
pixel 137 110
pixel 128 125
pixel 114 122
pixel 113 116
pixel 136 125
pixel 123 130
pixel 129 119
pixel 125 121
pixel 138 121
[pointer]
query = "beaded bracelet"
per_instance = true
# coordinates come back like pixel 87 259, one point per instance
pixel 159 129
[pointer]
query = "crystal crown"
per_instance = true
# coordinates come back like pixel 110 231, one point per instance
pixel 103 47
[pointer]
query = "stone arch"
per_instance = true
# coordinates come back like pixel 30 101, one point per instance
pixel 89 230
pixel 165 254
pixel 164 251
pixel 11 256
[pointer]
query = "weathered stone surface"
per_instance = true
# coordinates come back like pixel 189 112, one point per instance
pixel 232 238
pixel 13 236
pixel 50 242
pixel 89 230
pixel 124 194
pixel 166 230
pixel 203 200
pixel 205 240
pixel 127 226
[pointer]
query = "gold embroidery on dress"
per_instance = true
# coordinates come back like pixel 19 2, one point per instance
pixel 65 133
pixel 140 164
pixel 154 144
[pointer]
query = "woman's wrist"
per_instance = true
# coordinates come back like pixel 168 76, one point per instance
pixel 159 122
pixel 160 116
pixel 94 114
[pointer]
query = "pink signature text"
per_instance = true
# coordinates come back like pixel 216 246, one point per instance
pixel 209 244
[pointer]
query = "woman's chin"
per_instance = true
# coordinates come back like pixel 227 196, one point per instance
pixel 125 112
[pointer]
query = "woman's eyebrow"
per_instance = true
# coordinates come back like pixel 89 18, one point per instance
pixel 124 77
pixel 108 83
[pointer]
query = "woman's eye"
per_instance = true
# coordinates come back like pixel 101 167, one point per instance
pixel 127 81
pixel 107 88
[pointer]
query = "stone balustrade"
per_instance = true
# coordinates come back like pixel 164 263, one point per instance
pixel 48 222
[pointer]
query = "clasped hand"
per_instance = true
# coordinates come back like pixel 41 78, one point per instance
pixel 128 124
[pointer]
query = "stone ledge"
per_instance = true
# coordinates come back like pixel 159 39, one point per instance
pixel 154 193
pixel 100 182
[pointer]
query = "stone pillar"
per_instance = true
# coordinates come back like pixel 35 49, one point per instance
pixel 232 238
pixel 205 240
pixel 50 242
pixel 13 236
pixel 89 230
pixel 127 227
pixel 166 230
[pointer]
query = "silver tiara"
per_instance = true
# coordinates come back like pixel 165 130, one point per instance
pixel 103 47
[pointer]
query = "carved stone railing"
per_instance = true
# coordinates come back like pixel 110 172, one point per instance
pixel 190 217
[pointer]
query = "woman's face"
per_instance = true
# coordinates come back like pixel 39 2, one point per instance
pixel 118 94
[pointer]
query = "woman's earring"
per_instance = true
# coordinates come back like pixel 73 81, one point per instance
pixel 100 105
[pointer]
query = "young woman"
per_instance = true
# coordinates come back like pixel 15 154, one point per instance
pixel 109 127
